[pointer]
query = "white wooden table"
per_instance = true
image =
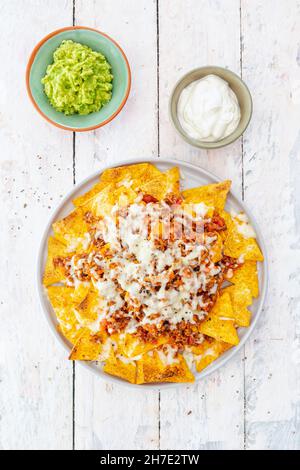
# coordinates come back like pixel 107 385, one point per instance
pixel 253 402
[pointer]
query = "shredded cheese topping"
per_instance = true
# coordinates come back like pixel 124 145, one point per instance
pixel 156 269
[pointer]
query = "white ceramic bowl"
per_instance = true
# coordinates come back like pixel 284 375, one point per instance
pixel 193 176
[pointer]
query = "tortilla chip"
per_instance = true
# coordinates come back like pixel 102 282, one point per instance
pixel 101 204
pixel 223 306
pixel 240 294
pixel 213 195
pixel 84 198
pixel 64 300
pixel 247 274
pixel 173 180
pixel 198 210
pixel 162 184
pixel 130 174
pixel 54 272
pixel 121 367
pixel 87 311
pixel 88 346
pixel 177 372
pixel 243 317
pixel 132 346
pixel 124 196
pixel 241 298
pixel 228 221
pixel 237 246
pixel 72 230
pixel 156 187
pixel 211 350
pixel 150 368
pixel 220 329
pixel 63 296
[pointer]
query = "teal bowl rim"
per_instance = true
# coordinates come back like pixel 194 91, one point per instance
pixel 31 60
pixel 231 138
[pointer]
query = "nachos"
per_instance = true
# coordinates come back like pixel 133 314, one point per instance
pixel 151 282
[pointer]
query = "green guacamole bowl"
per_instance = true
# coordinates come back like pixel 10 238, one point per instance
pixel 42 56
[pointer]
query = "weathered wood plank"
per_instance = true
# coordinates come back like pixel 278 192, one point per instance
pixel 109 416
pixel 272 169
pixel 36 170
pixel 210 415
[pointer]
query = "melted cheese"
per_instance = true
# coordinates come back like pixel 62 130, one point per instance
pixel 242 224
pixel 138 267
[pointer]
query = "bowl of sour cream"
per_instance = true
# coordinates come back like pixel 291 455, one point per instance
pixel 210 107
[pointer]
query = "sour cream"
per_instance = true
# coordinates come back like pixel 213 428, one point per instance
pixel 208 110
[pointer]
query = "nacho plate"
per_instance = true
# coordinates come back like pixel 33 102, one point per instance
pixel 192 177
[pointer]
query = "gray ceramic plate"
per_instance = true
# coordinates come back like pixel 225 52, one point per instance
pixel 192 176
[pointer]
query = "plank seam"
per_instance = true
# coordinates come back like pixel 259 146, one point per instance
pixel 73 406
pixel 74 157
pixel 157 76
pixel 241 73
pixel 73 12
pixel 243 197
pixel 74 182
pixel 158 154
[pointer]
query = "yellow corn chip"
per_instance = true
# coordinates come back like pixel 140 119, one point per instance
pixel 87 311
pixel 224 309
pixel 155 187
pixel 228 221
pixel 63 296
pixel 132 346
pixel 101 204
pixel 172 183
pixel 177 372
pixel 72 230
pixel 241 298
pixel 223 306
pixel 88 346
pixel 124 196
pixel 236 245
pixel 247 274
pixel 97 188
pixel 162 184
pixel 211 350
pixel 150 368
pixel 64 300
pixel 134 174
pixel 220 329
pixel 121 367
pixel 213 195
pixel 243 317
pixel 240 294
pixel 54 272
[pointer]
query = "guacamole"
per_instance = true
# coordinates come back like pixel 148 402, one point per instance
pixel 79 81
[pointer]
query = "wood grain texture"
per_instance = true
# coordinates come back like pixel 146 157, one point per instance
pixel 252 402
pixel 110 416
pixel 192 34
pixel 36 170
pixel 272 168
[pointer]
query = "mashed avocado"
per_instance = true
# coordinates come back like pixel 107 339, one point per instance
pixel 79 80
